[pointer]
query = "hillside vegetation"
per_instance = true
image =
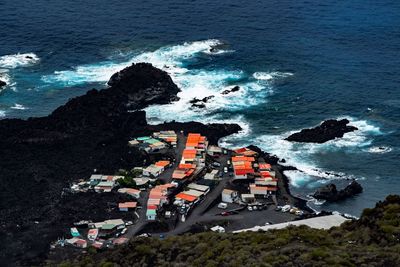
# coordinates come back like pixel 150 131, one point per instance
pixel 373 240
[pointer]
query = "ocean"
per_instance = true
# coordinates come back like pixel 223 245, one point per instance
pixel 297 63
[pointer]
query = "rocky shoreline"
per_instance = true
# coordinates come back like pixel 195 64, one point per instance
pixel 328 130
pixel 90 132
pixel 330 193
pixel 43 155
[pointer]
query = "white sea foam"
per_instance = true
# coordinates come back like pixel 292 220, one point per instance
pixel 2 113
pixel 18 60
pixel 5 77
pixel 18 107
pixel 380 149
pixel 168 58
pixel 268 76
pixel 300 155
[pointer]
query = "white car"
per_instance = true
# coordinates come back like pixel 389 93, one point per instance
pixel 222 205
pixel 249 208
pixel 286 208
pixel 225 169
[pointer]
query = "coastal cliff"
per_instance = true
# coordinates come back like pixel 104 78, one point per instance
pixel 41 156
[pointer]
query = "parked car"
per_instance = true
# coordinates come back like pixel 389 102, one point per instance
pixel 124 231
pixel 128 223
pixel 225 169
pixel 222 205
pixel 286 208
pixel 299 212
pixel 216 164
pixel 145 235
pixel 225 213
pixel 278 208
pixel 249 208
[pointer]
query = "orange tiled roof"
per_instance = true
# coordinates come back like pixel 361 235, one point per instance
pixel 186 197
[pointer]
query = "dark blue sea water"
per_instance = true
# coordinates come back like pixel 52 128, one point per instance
pixel 297 63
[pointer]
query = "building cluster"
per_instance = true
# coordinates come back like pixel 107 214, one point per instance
pixel 249 168
pixel 158 196
pixel 193 158
pixel 154 170
pixel 98 235
pixel 148 144
pixel 156 142
pixel 167 136
pixel 192 162
pixel 98 182
pixel 188 198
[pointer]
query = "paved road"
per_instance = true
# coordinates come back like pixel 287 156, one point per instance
pixel 197 215
pixel 166 177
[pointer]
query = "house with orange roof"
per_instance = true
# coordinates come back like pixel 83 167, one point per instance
pixel 163 163
pixel 244 151
pixel 186 197
pixel 125 206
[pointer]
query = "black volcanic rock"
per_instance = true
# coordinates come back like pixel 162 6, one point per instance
pixel 227 91
pixel 200 103
pixel 328 130
pixel 41 156
pixel 2 83
pixel 159 89
pixel 330 193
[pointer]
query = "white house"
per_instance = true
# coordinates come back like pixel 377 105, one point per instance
pixel 130 191
pixel 229 196
pixel 153 170
pixel 214 150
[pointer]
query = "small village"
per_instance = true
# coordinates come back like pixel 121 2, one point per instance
pixel 202 183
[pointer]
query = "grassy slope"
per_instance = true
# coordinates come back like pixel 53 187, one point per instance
pixel 373 240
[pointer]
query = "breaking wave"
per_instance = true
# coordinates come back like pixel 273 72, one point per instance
pixel 380 149
pixel 268 76
pixel 300 155
pixel 18 60
pixel 194 82
pixel 5 77
pixel 18 107
pixel 2 113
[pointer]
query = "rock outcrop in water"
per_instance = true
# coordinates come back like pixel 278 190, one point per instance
pixel 330 193
pixel 328 130
pixel 200 103
pixel 227 91
pixel 2 83
pixel 41 156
